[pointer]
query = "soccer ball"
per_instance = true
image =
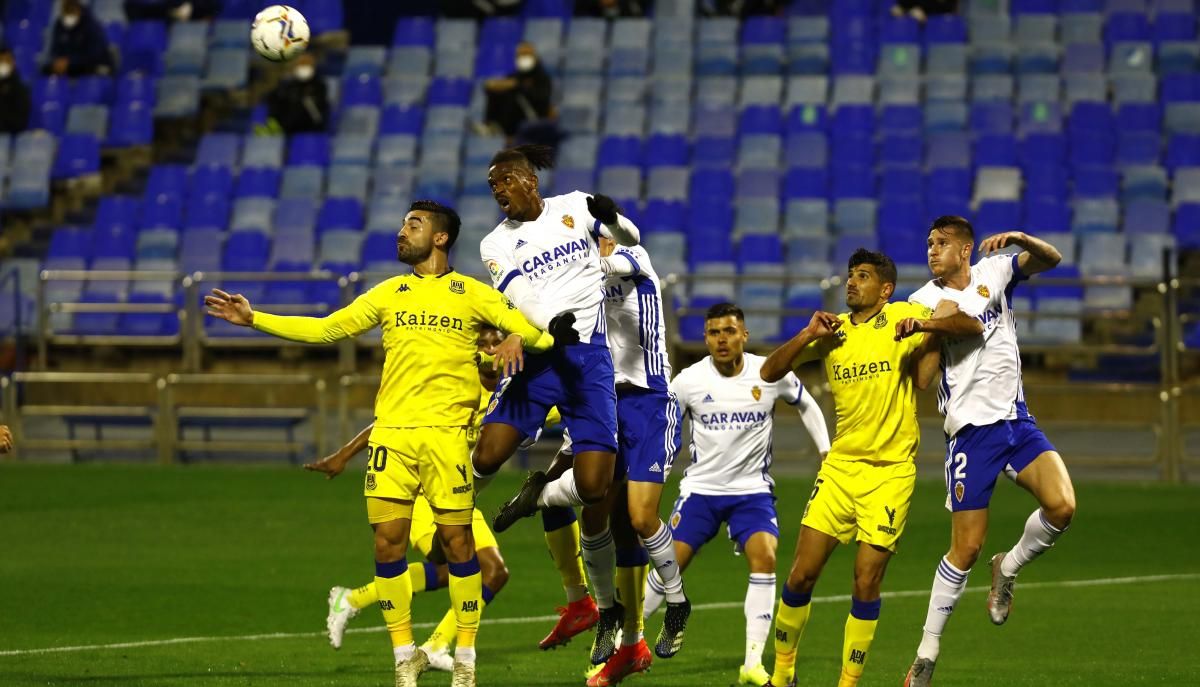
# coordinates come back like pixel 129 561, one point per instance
pixel 279 33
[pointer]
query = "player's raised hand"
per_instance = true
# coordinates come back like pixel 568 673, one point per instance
pixel 229 307
pixel 907 327
pixel 602 208
pixel 331 465
pixel 823 324
pixel 509 357
pixel 6 440
pixel 998 242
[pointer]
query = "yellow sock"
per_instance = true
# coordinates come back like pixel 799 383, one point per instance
pixel 631 593
pixel 860 631
pixel 443 634
pixel 395 600
pixel 363 596
pixel 447 629
pixel 562 538
pixel 466 598
pixel 790 619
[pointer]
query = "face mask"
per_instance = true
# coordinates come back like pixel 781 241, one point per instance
pixel 305 72
pixel 70 20
pixel 526 63
pixel 6 70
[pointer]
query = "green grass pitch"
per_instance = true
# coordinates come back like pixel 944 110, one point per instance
pixel 101 555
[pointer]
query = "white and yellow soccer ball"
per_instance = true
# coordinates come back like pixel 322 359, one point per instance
pixel 279 33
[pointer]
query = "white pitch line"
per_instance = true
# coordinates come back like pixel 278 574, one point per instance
pixel 907 593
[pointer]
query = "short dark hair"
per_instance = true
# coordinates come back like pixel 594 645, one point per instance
pixel 954 224
pixel 450 222
pixel 884 267
pixel 724 310
pixel 534 156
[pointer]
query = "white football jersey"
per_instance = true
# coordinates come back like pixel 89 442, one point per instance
pixel 732 423
pixel 636 332
pixel 981 375
pixel 558 252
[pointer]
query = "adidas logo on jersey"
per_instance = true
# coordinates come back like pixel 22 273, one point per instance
pixel 520 242
pixel 655 468
pixel 708 398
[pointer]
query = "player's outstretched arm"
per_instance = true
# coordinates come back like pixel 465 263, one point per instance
pixel 351 320
pixel 6 440
pixel 333 464
pixel 623 231
pixel 782 359
pixel 1037 256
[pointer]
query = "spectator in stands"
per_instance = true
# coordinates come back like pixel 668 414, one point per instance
pixel 300 104
pixel 14 96
pixel 522 96
pixel 79 46
pixel 481 9
pixel 740 8
pixel 179 10
pixel 611 9
pixel 921 9
pixel 5 439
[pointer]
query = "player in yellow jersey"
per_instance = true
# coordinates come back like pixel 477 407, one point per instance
pixel 425 405
pixel 345 603
pixel 865 483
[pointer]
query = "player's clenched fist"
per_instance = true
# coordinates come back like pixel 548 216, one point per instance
pixel 229 307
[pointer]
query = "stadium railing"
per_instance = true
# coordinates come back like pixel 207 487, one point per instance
pixel 170 407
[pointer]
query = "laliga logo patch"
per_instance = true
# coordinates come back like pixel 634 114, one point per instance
pixel 370 481
pixel 494 269
pixel 880 320
pixel 983 291
pixel 756 393
pixel 958 491
pixel 569 221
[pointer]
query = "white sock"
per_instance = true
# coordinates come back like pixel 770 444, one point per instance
pixel 760 606
pixel 600 559
pixel 655 594
pixel 575 593
pixel 464 654
pixel 403 653
pixel 661 547
pixel 948 585
pixel 561 492
pixel 1039 535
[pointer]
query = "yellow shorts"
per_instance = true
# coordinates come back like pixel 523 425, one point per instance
pixel 424 529
pixel 852 497
pixel 403 463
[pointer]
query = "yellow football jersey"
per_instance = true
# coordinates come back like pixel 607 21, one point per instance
pixel 871 377
pixel 429 329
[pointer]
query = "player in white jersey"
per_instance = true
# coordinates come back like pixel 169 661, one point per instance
pixel 545 258
pixel 732 412
pixel 988 427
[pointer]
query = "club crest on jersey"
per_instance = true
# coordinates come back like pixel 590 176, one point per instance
pixel 756 392
pixel 457 286
pixel 370 481
pixel 569 221
pixel 881 320
pixel 983 291
pixel 959 490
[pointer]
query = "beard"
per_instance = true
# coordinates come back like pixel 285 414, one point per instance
pixel 411 255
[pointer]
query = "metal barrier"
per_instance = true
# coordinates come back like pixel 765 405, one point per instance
pixel 171 403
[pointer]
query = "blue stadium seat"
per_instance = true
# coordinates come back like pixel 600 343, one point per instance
pixel 1143 182
pixel 996 150
pixel 88 119
pixel 257 182
pixel 309 149
pixel 666 150
pixel 207 211
pixel 852 182
pixel 663 216
pixel 131 124
pixel 449 91
pixel 245 252
pixel 1096 182
pixel 806 182
pixel 619 150
pixel 78 155
pixel 995 216
pixel 415 31
pixel 1040 118
pixel 302 181
pixel 1186 226
pixel 757 183
pixel 162 211
pixel 91 90
pixel 219 149
pixel 711 151
pixel 1095 216
pixel 144 47
pixel 177 96
pixel 253 214
pixel 759 150
pixel 1146 216
pixel 992 117
pixel 945 28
